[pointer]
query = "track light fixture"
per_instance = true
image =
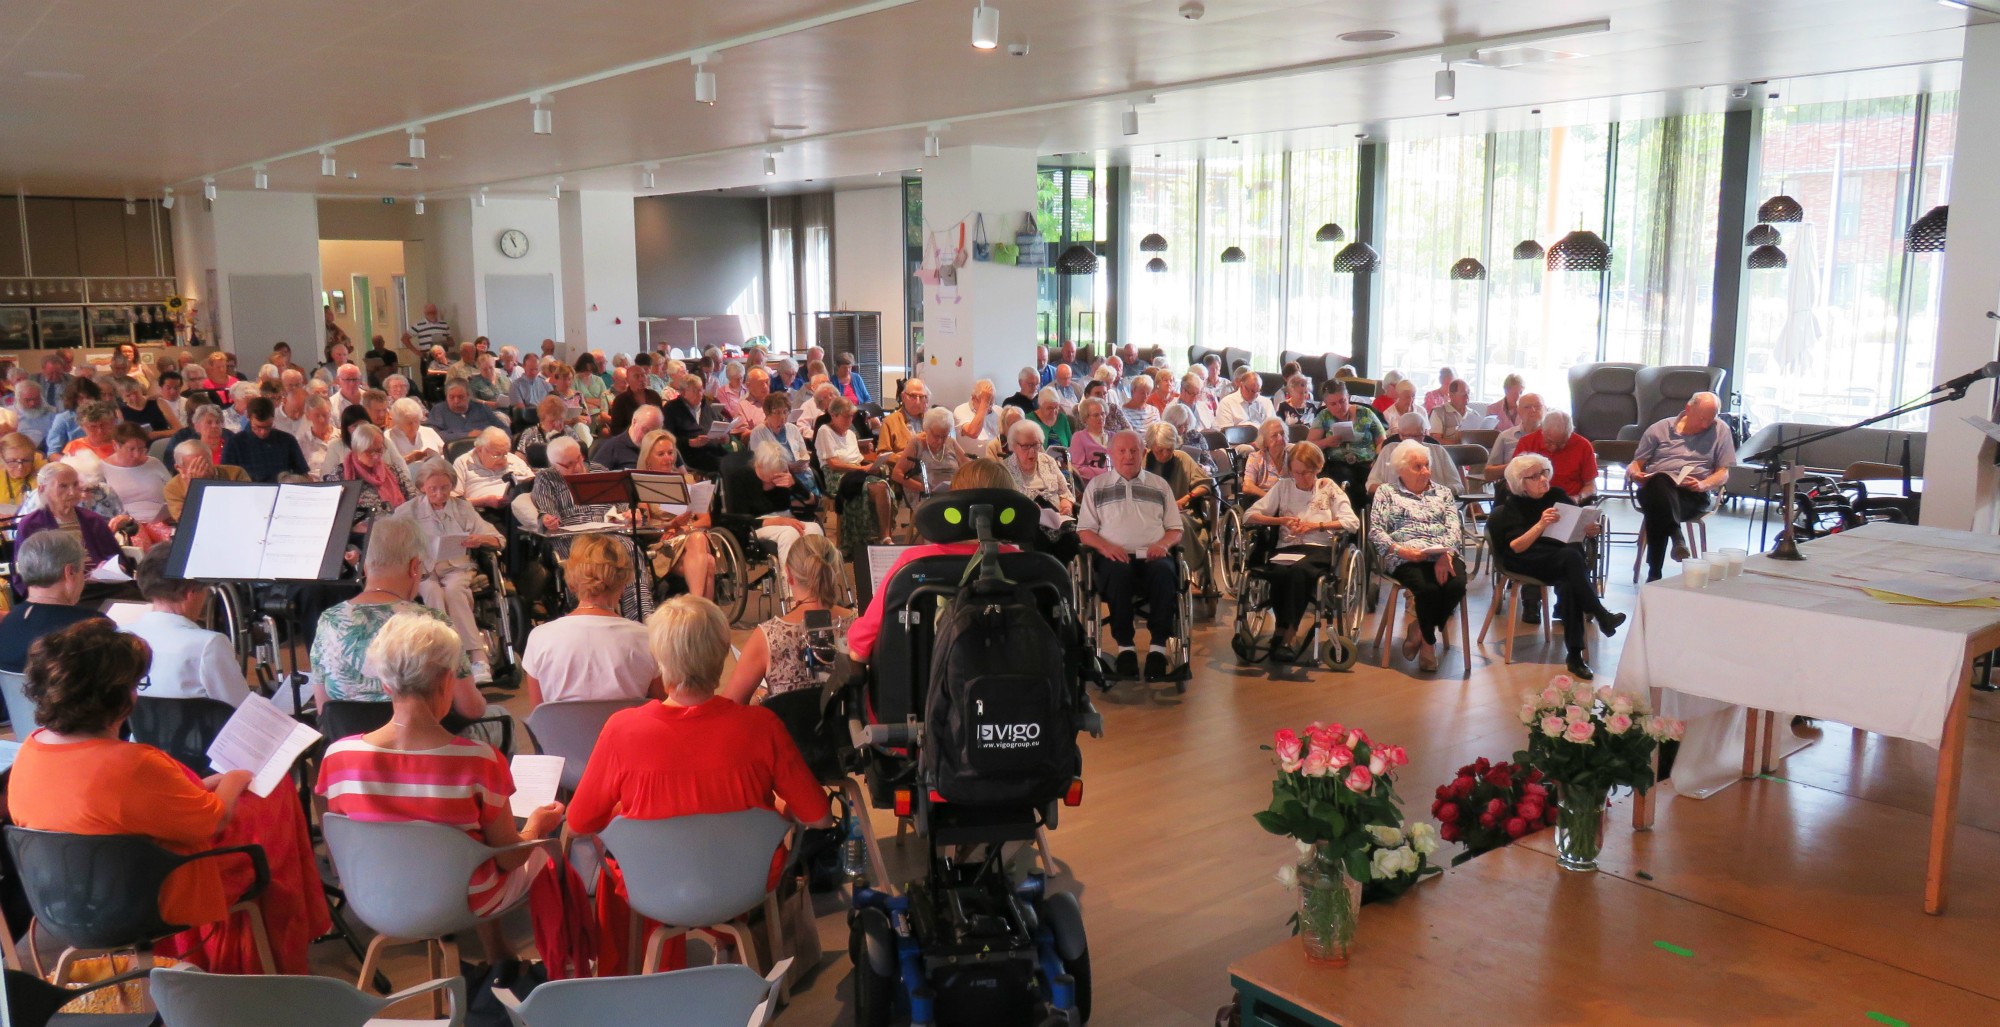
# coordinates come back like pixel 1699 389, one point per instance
pixel 481 199
pixel 985 26
pixel 167 198
pixel 555 192
pixel 131 205
pixel 420 203
pixel 416 141
pixel 771 159
pixel 1447 83
pixel 545 119
pixel 646 179
pixel 1129 122
pixel 327 168
pixel 932 145
pixel 259 178
pixel 208 189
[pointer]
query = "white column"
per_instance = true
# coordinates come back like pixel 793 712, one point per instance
pixel 989 332
pixel 465 264
pixel 600 266
pixel 251 262
pixel 1961 486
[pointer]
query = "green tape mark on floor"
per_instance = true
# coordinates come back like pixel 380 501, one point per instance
pixel 1677 950
pixel 1774 777
pixel 1886 1018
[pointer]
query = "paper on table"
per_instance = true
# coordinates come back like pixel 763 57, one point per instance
pixel 1570 522
pixel 109 570
pixel 1975 571
pixel 880 559
pixel 1935 590
pixel 259 738
pixel 1897 599
pixel 301 522
pixel 536 779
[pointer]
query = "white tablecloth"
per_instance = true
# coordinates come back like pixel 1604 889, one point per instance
pixel 1799 637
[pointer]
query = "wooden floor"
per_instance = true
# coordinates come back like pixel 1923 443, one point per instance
pixel 1177 881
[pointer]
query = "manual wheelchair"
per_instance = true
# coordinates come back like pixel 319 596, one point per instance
pixel 1338 605
pixel 1180 648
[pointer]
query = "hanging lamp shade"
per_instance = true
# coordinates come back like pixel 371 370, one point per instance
pixel 1153 243
pixel 1926 234
pixel 1329 232
pixel 1156 265
pixel 1234 255
pixel 1356 258
pixel 1768 257
pixel 1077 260
pixel 1527 249
pixel 1579 251
pixel 1763 235
pixel 1781 208
pixel 1468 269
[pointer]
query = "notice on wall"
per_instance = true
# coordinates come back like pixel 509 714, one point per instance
pixel 946 324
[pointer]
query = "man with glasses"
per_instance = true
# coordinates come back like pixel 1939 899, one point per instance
pixel 263 451
pixel 906 421
pixel 351 385
pixel 488 471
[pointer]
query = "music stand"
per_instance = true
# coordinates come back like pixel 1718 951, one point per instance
pixel 220 516
pixel 608 488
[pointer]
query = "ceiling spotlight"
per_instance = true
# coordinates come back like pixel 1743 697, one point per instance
pixel 420 203
pixel 208 189
pixel 482 196
pixel 416 141
pixel 167 198
pixel 555 192
pixel 326 165
pixel 771 159
pixel 1447 83
pixel 259 178
pixel 1130 120
pixel 932 147
pixel 704 81
pixel 985 26
pixel 545 119
pixel 646 179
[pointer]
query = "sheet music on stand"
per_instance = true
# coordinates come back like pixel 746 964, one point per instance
pixel 245 531
pixel 672 491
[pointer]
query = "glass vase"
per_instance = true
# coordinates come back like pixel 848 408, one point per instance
pixel 1579 827
pixel 1329 909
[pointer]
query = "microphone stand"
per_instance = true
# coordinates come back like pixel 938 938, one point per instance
pixel 1787 547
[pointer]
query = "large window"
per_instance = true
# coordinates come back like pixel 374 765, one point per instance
pixel 1436 217
pixel 1319 307
pixel 1159 305
pixel 1242 301
pixel 1073 308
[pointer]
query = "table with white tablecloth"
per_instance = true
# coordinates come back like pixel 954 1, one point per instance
pixel 1803 637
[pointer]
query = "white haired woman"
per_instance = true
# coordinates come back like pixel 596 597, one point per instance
pixel 1268 459
pixel 1416 529
pixel 385 485
pixel 851 471
pixel 390 569
pixel 450 528
pixel 414 769
pixel 557 507
pixel 1307 509
pixel 414 441
pixel 1050 417
pixel 1090 445
pixel 1138 408
pixel 927 464
pixel 1518 526
pixel 761 497
pixel 1001 446
pixel 1035 472
pixel 683 548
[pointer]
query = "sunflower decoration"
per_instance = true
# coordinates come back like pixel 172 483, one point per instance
pixel 176 304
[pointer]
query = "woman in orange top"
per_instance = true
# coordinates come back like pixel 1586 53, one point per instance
pixel 75 776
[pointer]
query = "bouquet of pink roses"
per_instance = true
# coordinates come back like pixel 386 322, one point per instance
pixel 1333 784
pixel 1592 740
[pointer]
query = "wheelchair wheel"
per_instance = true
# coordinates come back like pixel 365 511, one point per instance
pixel 732 575
pixel 874 994
pixel 1232 550
pixel 1256 622
pixel 1350 595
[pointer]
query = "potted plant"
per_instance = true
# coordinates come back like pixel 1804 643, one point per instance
pixel 1589 743
pixel 1488 805
pixel 1333 784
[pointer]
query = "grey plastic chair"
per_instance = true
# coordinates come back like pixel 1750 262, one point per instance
pixel 702 996
pixel 191 998
pixel 407 881
pixel 20 712
pixel 570 730
pixel 703 870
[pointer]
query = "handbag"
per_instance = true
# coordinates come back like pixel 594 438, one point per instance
pixel 1006 253
pixel 982 250
pixel 1033 248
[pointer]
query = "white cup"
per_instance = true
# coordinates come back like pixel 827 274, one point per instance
pixel 1695 573
pixel 1732 561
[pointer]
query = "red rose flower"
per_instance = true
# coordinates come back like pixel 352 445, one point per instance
pixel 1530 810
pixel 1449 832
pixel 1497 807
pixel 1444 792
pixel 1516 827
pixel 1449 813
pixel 1488 820
pixel 1550 816
pixel 1483 764
pixel 1534 773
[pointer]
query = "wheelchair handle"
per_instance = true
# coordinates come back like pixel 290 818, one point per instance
pixel 898 736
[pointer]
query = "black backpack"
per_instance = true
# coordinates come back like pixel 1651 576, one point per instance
pixel 1000 723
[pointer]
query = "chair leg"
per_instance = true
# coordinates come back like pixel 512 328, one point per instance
pixel 447 950
pixel 1464 637
pixel 258 934
pixel 1499 599
pixel 369 961
pixel 68 960
pixel 1384 630
pixel 778 947
pixel 1514 589
pixel 1042 848
pixel 656 947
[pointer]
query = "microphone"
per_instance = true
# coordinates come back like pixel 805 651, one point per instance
pixel 1991 370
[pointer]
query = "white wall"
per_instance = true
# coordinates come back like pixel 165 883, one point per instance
pixel 600 282
pixel 537 218
pixel 249 233
pixel 868 264
pixel 990 331
pixel 449 266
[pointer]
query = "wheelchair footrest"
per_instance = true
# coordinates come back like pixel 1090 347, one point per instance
pixel 951 824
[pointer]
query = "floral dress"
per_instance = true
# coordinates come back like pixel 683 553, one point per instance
pixel 787 670
pixel 341 642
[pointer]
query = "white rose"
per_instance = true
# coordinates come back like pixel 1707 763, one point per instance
pixel 1383 864
pixel 1305 848
pixel 1528 713
pixel 1288 875
pixel 1406 860
pixel 1621 703
pixel 1423 838
pixel 1385 835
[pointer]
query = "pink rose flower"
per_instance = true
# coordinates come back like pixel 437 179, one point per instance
pixel 1396 755
pixel 1359 779
pixel 1340 757
pixel 1377 764
pixel 1288 745
pixel 1562 682
pixel 1579 732
pixel 1604 693
pixel 1551 697
pixel 1355 737
pixel 1315 765
pixel 1496 806
pixel 1290 766
pixel 1552 726
pixel 1618 724
pixel 1574 713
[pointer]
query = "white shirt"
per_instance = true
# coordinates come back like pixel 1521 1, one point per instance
pixel 476 482
pixel 1233 410
pixel 587 657
pixel 141 490
pixel 1132 514
pixel 298 429
pixel 189 661
pixel 962 414
pixel 427 438
pixel 1326 502
pixel 444 529
pixel 832 445
pixel 340 403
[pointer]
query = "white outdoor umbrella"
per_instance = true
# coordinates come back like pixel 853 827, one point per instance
pixel 1799 340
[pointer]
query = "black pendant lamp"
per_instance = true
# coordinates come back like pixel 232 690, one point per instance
pixel 1329 232
pixel 1356 258
pixel 1156 265
pixel 1077 260
pixel 1153 243
pixel 1926 234
pixel 1527 249
pixel 1768 258
pixel 1468 269
pixel 1579 251
pixel 1781 209
pixel 1234 255
pixel 1763 235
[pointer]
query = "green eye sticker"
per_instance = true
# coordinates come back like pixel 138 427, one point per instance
pixel 1007 516
pixel 952 516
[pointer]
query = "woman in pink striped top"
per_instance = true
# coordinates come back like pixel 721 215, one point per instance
pixel 412 769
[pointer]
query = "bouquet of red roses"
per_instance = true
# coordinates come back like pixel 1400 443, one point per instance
pixel 1490 804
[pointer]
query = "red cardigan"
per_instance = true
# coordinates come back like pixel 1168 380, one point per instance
pixel 658 761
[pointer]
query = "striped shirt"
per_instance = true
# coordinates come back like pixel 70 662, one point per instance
pixel 431 333
pixel 1130 513
pixel 461 785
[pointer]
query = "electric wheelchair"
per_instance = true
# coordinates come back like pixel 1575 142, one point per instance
pixel 974 939
pixel 1338 605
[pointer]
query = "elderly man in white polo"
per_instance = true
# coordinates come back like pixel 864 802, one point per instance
pixel 1128 517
